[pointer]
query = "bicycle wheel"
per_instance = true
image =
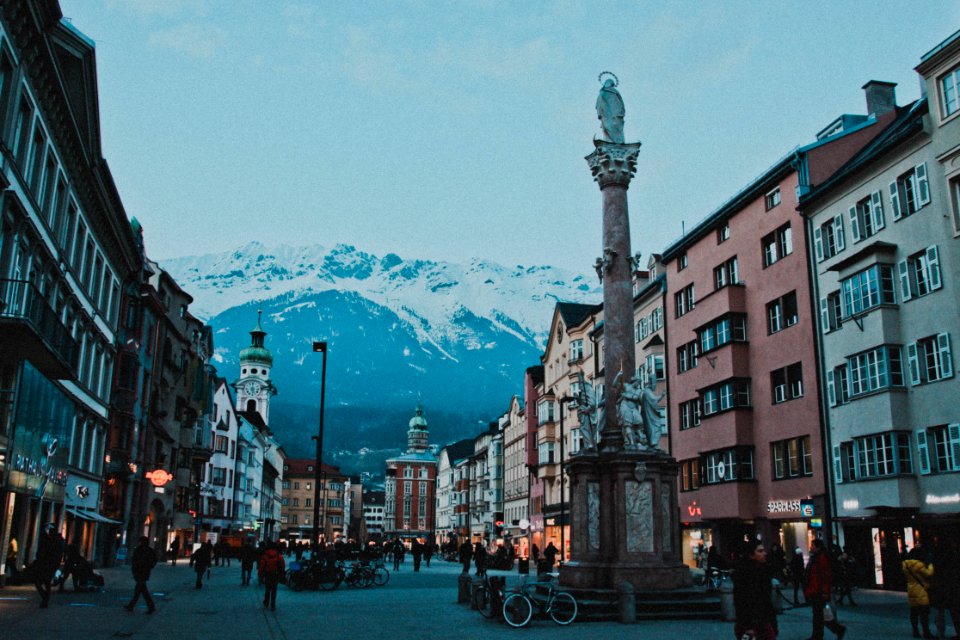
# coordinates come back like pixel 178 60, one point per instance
pixel 517 610
pixel 481 599
pixel 562 607
pixel 381 576
pixel 367 576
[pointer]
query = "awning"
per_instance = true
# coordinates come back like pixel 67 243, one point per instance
pixel 89 514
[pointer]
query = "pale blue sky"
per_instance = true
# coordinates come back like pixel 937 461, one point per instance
pixel 452 130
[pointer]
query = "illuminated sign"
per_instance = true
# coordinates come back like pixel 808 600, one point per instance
pixel 694 509
pixel 159 477
pixel 851 504
pixel 806 508
pixel 783 506
pixel 816 523
pixel 951 499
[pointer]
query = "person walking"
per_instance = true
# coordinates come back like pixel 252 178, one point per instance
pixel 919 576
pixel 846 576
pixel 143 561
pixel 753 596
pixel 550 556
pixel 397 554
pixel 945 589
pixel 248 555
pixel 49 554
pixel 535 552
pixel 480 559
pixel 201 560
pixel 416 549
pixel 271 568
pixel 428 552
pixel 465 555
pixel 174 550
pixel 818 591
pixel 11 564
pixel 796 574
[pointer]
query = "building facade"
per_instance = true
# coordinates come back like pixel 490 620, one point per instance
pixel 411 481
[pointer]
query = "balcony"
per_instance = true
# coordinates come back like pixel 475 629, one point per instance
pixel 32 330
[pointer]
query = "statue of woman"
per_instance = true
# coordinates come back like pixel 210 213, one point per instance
pixel 610 111
pixel 651 413
pixel 629 412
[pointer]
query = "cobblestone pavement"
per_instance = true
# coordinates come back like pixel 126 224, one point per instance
pixel 412 605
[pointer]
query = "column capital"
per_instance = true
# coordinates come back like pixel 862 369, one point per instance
pixel 613 163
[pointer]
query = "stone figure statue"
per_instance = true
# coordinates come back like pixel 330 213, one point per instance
pixel 587 410
pixel 630 412
pixel 651 413
pixel 610 110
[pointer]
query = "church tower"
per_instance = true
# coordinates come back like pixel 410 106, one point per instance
pixel 254 387
pixel 417 434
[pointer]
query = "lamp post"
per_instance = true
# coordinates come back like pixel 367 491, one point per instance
pixel 320 347
pixel 563 470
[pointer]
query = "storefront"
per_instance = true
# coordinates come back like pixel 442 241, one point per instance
pixel 695 543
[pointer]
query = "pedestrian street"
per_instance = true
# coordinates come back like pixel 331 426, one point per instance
pixel 411 605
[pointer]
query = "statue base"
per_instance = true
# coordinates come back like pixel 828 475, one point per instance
pixel 625 522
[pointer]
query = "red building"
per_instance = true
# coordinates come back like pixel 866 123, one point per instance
pixel 744 408
pixel 411 480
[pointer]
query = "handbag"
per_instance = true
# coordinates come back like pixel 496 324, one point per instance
pixel 829 615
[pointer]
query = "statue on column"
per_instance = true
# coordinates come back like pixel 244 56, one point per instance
pixel 610 109
pixel 651 413
pixel 630 412
pixel 588 411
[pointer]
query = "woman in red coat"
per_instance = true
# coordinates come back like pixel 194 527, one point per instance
pixel 818 589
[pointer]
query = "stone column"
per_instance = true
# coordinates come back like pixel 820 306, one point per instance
pixel 613 165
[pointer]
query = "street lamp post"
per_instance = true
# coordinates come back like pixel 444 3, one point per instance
pixel 563 470
pixel 320 347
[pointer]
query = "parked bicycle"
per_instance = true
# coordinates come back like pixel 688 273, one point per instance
pixel 488 595
pixel 519 606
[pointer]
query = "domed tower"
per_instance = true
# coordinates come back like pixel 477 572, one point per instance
pixel 254 387
pixel 417 434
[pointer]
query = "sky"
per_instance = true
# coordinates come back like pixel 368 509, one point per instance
pixel 456 130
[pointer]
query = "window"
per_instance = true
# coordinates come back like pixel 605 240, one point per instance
pixel 576 350
pixel 728 465
pixel 828 238
pixel 866 217
pixel 220 476
pixel 21 134
pixel 546 453
pixel 682 261
pixel 874 370
pixel 930 359
pixel 652 366
pixel 867 289
pixel 293 519
pixel 730 328
pixel 875 456
pixel 831 312
pixel 546 412
pixel 726 273
pixel 945 442
pixel 684 300
pixel 727 395
pixel 787 383
pixel 838 386
pixel 687 357
pixel 221 445
pixel 690 475
pixel 296 502
pixel 910 192
pixel 920 273
pixel 407 488
pixel 690 414
pixel 772 198
pixel 723 233
pixel 782 313
pixel 408 472
pixel 777 245
pixel 792 458
pixel 949 98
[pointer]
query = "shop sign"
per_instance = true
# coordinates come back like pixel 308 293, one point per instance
pixel 783 506
pixel 951 499
pixel 158 477
pixel 851 505
pixel 694 509
pixel 81 492
pixel 806 508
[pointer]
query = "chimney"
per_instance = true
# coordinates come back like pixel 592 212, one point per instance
pixel 881 97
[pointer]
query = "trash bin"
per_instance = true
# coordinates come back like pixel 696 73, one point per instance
pixel 523 566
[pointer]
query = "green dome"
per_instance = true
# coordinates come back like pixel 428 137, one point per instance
pixel 256 354
pixel 418 421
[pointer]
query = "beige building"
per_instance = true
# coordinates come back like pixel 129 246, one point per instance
pixel 296 511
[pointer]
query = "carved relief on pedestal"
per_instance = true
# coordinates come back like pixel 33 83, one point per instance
pixel 593 516
pixel 639 514
pixel 666 521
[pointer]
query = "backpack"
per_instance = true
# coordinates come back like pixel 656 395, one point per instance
pixel 270 563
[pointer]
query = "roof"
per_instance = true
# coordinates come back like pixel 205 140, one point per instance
pixel 953 38
pixel 254 418
pixel 304 467
pixel 574 313
pixel 908 122
pixel 416 456
pixel 459 450
pixel 536 373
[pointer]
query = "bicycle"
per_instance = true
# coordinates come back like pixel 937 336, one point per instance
pixel 559 605
pixel 488 595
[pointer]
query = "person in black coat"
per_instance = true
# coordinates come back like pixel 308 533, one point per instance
pixel 143 562
pixel 248 556
pixel 480 559
pixel 201 560
pixel 49 554
pixel 465 555
pixel 752 596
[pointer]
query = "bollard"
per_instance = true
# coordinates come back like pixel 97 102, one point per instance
pixel 523 566
pixel 627 601
pixel 727 609
pixel 463 588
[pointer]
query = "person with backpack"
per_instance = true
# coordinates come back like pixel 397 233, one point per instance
pixel 143 562
pixel 271 568
pixel 248 556
pixel 919 577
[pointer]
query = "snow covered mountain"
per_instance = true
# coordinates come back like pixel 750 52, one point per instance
pixel 457 337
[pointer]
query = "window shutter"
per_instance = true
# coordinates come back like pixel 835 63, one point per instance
pixel 946 358
pixel 854 225
pixel 953 436
pixel 895 200
pixel 838 232
pixel 824 315
pixel 877 206
pixel 831 390
pixel 818 244
pixel 904 270
pixel 922 453
pixel 913 363
pixel 837 465
pixel 923 187
pixel 933 267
